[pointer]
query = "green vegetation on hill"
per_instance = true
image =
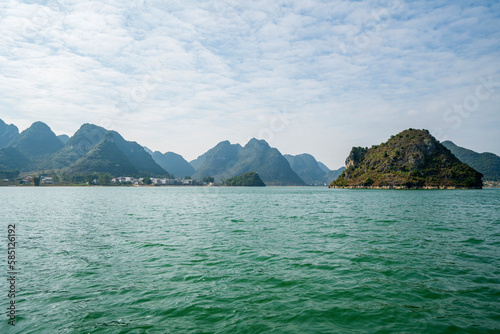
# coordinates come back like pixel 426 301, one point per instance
pixel 11 158
pixel 37 141
pixel 411 159
pixel 138 156
pixel 7 133
pixel 217 161
pixel 88 136
pixel 487 164
pixel 249 179
pixel 106 157
pixel 9 174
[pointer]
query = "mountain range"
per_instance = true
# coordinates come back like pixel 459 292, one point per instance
pixel 95 149
pixel 227 160
pixel 37 142
pixel 105 157
pixel 312 171
pixel 91 149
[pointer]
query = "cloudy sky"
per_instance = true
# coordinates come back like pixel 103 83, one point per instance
pixel 307 75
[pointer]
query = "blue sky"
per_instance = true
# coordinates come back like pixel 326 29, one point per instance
pixel 307 76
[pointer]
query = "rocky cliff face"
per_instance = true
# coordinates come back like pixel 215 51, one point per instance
pixel 411 159
pixel 355 157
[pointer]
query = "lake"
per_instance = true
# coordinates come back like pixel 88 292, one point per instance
pixel 252 260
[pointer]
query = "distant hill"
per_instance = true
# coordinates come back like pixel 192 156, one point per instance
pixel 332 175
pixel 37 141
pixel 268 162
pixel 173 163
pixel 249 179
pixel 312 171
pixel 105 157
pixel 196 163
pixel 7 133
pixel 217 161
pixel 487 164
pixel 11 158
pixel 226 160
pixel 63 138
pixel 139 158
pixel 309 170
pixel 88 136
pixel 148 150
pixel 323 167
pixel 411 159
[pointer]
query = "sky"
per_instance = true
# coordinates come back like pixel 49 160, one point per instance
pixel 308 76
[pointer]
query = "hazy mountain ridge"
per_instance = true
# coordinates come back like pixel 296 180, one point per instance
pixel 268 162
pixel 334 174
pixel 308 168
pixel 312 171
pixel 217 161
pixel 486 163
pixel 323 167
pixel 227 160
pixel 174 163
pixel 7 133
pixel 63 138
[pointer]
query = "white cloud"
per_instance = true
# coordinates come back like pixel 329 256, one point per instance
pixel 181 76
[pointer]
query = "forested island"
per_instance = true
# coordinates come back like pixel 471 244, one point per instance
pixel 410 159
pixel 250 179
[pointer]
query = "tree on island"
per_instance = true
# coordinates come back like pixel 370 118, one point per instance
pixel 104 179
pixel 36 180
pixel 208 179
pixel 90 178
pixel 249 179
pixel 147 181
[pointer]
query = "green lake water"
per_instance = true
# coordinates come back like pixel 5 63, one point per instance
pixel 252 260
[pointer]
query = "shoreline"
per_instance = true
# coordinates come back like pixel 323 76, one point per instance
pixel 406 188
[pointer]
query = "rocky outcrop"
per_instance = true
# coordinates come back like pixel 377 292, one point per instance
pixel 411 159
pixel 355 157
